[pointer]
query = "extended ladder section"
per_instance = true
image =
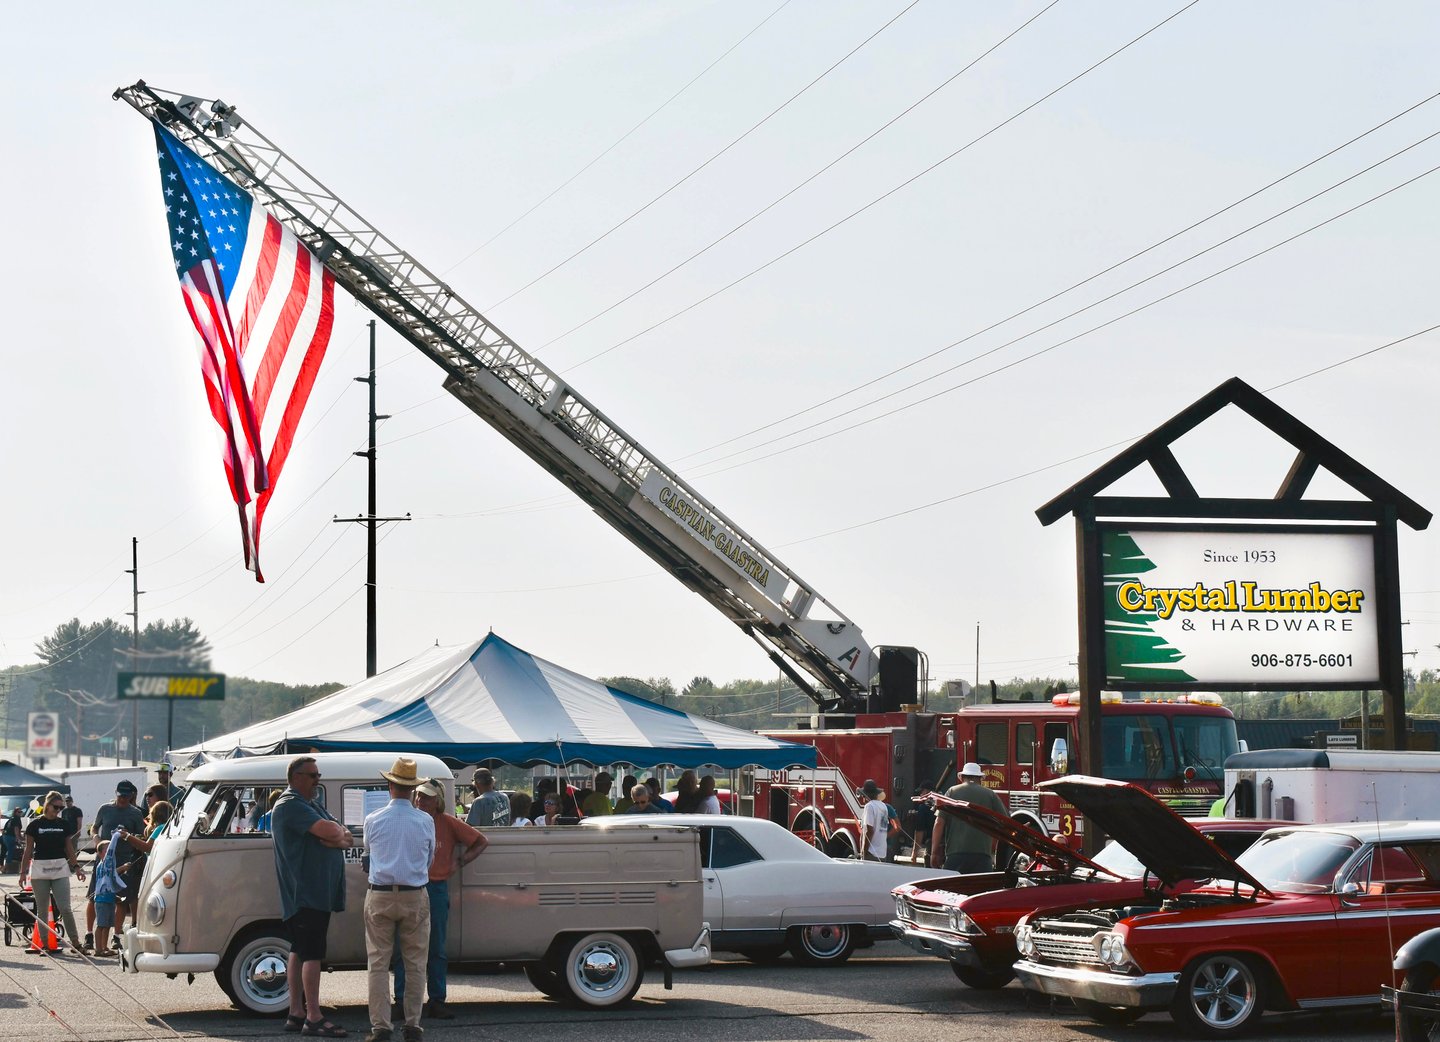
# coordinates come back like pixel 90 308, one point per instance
pixel 538 411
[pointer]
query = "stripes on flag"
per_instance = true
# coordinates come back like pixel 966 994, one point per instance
pixel 263 307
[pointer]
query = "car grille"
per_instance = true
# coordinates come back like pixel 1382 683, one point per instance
pixel 929 918
pixel 1068 944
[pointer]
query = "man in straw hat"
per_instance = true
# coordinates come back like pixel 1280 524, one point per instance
pixel 957 846
pixel 400 845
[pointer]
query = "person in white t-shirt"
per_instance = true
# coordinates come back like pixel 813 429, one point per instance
pixel 875 822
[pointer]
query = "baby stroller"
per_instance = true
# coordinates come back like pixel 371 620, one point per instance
pixel 19 922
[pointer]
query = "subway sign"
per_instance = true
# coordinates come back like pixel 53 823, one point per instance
pixel 198 687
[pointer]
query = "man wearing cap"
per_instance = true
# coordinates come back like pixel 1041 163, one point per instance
pixel 456 844
pixel 874 822
pixel 959 847
pixel 124 814
pixel 491 808
pixel 173 791
pixel 400 847
pixel 310 870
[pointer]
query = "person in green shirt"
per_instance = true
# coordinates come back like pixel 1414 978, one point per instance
pixel 959 847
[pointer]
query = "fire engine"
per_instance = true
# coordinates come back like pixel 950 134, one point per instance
pixel 1175 747
pixel 858 689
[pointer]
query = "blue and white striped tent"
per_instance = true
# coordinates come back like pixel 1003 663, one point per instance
pixel 491 701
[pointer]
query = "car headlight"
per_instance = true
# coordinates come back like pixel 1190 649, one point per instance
pixel 1025 940
pixel 155 908
pixel 962 923
pixel 1112 950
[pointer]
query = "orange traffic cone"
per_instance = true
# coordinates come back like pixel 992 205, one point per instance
pixel 48 941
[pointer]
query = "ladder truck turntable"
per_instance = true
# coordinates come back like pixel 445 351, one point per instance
pixel 857 688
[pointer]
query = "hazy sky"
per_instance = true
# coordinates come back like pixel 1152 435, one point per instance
pixel 444 123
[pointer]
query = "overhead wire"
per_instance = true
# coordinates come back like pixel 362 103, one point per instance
pixel 1068 289
pixel 780 199
pixel 621 139
pixel 771 115
pixel 1068 340
pixel 882 197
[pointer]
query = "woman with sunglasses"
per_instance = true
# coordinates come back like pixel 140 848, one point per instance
pixel 48 861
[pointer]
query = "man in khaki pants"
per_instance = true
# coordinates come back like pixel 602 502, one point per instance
pixel 400 844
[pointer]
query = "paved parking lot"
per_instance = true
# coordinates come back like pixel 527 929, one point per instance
pixel 884 994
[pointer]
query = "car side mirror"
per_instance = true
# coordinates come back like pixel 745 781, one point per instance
pixel 1350 890
pixel 1059 757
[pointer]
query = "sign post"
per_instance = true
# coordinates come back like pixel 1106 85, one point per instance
pixel 42 736
pixel 1182 592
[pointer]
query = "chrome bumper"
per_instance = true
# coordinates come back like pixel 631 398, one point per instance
pixel 698 954
pixel 136 956
pixel 1151 991
pixel 941 945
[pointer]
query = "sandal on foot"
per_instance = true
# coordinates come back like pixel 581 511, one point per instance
pixel 323 1029
pixel 293 1022
pixel 109 953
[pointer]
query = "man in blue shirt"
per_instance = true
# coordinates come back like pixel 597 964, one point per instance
pixel 399 845
pixel 310 869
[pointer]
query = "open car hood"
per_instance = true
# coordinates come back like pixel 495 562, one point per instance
pixel 1165 843
pixel 1016 836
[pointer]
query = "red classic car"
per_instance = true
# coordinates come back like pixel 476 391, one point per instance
pixel 1307 918
pixel 970 920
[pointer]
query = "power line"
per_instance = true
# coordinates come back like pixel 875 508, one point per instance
pixel 614 228
pixel 843 155
pixel 618 141
pixel 1068 340
pixel 880 198
pixel 1068 289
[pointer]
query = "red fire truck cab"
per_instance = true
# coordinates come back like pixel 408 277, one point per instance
pixel 1173 746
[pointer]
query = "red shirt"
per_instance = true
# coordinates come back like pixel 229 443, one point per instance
pixel 450 832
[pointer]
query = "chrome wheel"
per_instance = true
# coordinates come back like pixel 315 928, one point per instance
pixel 256 974
pixel 824 945
pixel 601 969
pixel 1219 995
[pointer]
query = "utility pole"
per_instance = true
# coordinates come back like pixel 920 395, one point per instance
pixel 370 520
pixel 134 572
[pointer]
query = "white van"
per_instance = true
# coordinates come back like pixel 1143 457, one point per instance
pixel 585 911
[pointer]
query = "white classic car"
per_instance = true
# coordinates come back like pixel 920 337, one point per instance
pixel 767 890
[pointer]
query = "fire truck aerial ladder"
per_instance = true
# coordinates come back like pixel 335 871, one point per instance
pixel 544 416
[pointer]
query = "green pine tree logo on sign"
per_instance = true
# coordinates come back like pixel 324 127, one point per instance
pixel 1133 650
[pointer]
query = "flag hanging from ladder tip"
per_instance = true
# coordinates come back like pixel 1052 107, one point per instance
pixel 263 307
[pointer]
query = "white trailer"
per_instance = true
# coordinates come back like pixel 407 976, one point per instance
pixel 1320 785
pixel 93 787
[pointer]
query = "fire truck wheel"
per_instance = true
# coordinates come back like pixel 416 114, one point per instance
pixel 821 945
pixel 840 845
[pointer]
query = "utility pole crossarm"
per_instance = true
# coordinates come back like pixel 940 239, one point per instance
pixel 535 408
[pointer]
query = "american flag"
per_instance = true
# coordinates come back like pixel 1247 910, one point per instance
pixel 264 308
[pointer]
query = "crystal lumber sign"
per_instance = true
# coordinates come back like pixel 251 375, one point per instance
pixel 1236 604
pixel 199 687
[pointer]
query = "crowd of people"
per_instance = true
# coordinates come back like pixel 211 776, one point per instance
pixel 413 847
pixel 44 850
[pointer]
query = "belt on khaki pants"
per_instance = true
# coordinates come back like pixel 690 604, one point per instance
pixel 394 887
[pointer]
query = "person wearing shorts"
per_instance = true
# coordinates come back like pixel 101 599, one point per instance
pixel 310 870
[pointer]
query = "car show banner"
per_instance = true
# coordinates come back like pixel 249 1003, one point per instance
pixel 1239 606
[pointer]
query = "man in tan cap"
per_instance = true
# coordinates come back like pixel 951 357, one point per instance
pixel 400 844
